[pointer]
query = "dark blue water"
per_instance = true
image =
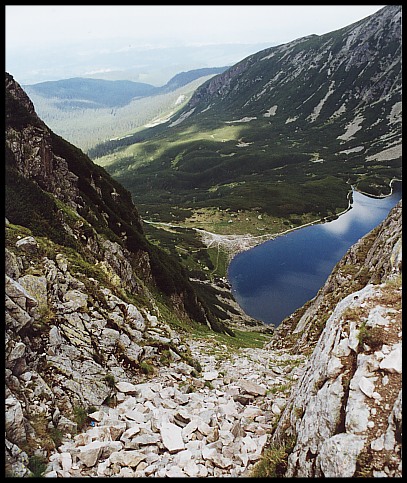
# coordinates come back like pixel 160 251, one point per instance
pixel 277 277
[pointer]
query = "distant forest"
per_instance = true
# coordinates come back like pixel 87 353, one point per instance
pixel 87 119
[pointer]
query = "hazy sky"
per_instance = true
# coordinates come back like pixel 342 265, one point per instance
pixel 40 25
pixel 47 42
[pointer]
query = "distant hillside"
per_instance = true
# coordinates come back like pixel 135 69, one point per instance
pixel 89 111
pixel 83 92
pixel 184 78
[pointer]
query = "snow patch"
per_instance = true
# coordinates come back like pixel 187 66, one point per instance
pixel 183 116
pixel 180 99
pixel 271 112
pixel 353 150
pixel 161 120
pixel 318 107
pixel 339 112
pixel 242 144
pixel 291 119
pixel 352 128
pixel 395 114
pixel 267 57
pixel 244 119
pixel 387 154
pixel 207 108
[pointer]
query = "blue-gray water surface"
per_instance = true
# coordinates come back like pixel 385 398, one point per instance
pixel 277 277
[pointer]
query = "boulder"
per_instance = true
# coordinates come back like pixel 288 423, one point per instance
pixel 171 436
pixel 252 388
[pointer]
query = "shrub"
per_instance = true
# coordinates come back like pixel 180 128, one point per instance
pixel 37 465
pixel 208 384
pixel 165 358
pixel 110 380
pixel 56 436
pixel 374 337
pixel 272 465
pixel 146 368
pixel 80 417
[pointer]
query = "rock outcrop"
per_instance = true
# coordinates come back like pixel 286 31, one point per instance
pixel 68 338
pixel 344 416
pixel 55 190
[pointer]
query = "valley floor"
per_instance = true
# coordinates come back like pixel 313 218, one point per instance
pixel 175 424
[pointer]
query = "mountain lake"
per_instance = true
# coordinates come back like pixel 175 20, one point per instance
pixel 272 280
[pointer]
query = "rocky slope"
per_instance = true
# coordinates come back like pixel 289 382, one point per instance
pixel 330 407
pixel 106 375
pixel 344 416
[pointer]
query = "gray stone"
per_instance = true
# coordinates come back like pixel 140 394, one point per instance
pixel 393 361
pixel 338 455
pixel 252 388
pixel 14 421
pixel 36 286
pixel 28 244
pixel 90 453
pixel 13 265
pixel 171 435
pixel 19 294
pixel 127 387
pixel 75 300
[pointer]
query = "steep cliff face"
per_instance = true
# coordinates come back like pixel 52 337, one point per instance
pixel 344 415
pixel 96 217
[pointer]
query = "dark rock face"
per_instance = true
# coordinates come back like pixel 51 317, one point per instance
pixel 100 205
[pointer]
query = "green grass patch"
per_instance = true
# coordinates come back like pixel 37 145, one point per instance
pixel 242 339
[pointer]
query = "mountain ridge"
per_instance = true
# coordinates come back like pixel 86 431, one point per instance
pixel 84 92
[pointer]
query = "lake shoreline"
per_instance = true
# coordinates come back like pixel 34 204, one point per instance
pixel 284 275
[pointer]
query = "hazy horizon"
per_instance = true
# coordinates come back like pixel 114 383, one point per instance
pixel 152 43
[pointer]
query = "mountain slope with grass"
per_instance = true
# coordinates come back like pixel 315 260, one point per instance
pixel 283 134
